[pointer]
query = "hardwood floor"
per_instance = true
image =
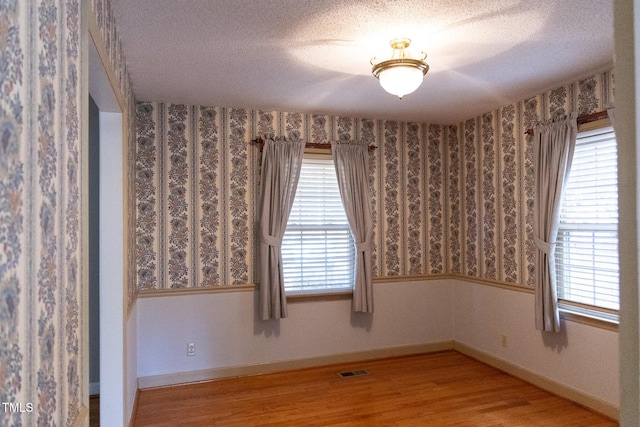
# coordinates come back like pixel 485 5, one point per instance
pixel 439 389
pixel 94 411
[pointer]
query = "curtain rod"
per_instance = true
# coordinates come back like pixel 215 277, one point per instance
pixel 587 118
pixel 324 146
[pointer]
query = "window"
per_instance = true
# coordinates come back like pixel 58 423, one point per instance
pixel 587 263
pixel 318 252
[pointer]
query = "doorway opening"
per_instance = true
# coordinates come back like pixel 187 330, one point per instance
pixel 106 242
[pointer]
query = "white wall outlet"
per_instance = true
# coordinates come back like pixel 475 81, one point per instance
pixel 504 341
pixel 191 349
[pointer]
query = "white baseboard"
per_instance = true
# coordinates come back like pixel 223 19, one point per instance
pixel 94 389
pixel 543 382
pixel 288 365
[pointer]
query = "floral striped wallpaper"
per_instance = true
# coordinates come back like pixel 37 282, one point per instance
pixel 491 187
pixel 41 259
pixel 197 190
pixel 446 199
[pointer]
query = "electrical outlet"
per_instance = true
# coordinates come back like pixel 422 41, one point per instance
pixel 191 349
pixel 504 341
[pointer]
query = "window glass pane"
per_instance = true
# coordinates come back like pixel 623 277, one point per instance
pixel 587 262
pixel 317 250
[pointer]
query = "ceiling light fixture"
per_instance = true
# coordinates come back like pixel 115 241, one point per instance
pixel 401 74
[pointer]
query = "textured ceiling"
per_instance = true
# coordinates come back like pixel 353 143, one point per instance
pixel 313 55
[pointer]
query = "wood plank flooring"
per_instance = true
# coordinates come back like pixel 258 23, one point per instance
pixel 94 411
pixel 438 389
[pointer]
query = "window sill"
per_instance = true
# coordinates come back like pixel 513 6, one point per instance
pixel 589 317
pixel 319 296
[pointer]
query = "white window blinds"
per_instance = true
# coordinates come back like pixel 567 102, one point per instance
pixel 317 250
pixel 587 244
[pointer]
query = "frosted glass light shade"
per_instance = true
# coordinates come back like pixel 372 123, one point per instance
pixel 402 73
pixel 401 81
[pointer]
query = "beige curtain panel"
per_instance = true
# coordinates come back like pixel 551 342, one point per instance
pixel 351 161
pixel 281 163
pixel 553 147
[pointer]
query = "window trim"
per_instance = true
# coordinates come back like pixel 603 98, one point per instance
pixel 589 311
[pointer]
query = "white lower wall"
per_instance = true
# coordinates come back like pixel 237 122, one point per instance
pixel 227 332
pixel 581 357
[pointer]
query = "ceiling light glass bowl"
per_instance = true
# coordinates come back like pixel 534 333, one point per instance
pixel 400 75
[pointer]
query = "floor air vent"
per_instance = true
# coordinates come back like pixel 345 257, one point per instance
pixel 348 374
